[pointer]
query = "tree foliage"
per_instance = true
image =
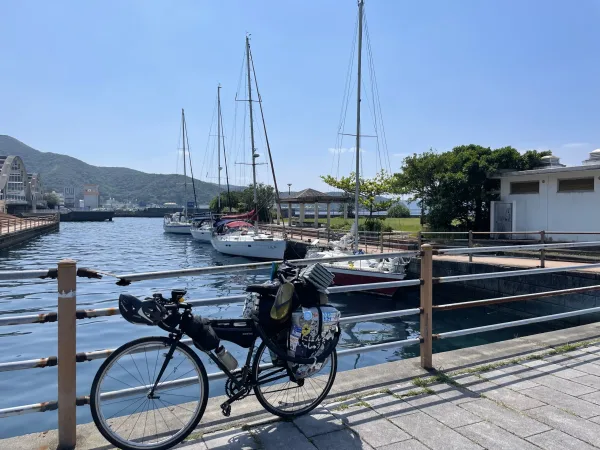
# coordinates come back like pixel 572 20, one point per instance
pixel 454 187
pixel 398 210
pixel 52 199
pixel 233 197
pixel 370 189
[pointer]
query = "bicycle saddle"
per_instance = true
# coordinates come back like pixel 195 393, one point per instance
pixel 264 288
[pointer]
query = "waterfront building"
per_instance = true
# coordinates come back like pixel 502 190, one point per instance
pixel 91 196
pixel 19 191
pixel 553 197
pixel 69 197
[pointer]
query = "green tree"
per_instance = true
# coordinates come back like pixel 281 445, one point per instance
pixel 370 189
pixel 398 210
pixel 233 196
pixel 456 187
pixel 265 200
pixel 52 199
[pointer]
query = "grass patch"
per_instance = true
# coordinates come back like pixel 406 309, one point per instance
pixel 410 224
pixel 564 348
pixel 421 382
pixel 443 377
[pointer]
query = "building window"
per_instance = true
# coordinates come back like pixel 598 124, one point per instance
pixel 576 185
pixel 525 187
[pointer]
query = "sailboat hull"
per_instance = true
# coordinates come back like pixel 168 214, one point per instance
pixel 177 228
pixel 255 249
pixel 201 235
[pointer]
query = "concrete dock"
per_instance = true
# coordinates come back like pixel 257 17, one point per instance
pixel 15 230
pixel 540 391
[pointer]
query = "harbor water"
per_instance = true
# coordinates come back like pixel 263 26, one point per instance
pixel 139 245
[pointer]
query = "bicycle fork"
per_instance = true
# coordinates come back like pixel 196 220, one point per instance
pixel 168 357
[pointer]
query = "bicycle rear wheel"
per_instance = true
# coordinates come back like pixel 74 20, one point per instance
pixel 286 398
pixel 124 412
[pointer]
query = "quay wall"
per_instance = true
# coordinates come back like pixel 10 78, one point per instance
pixel 19 237
pixel 502 287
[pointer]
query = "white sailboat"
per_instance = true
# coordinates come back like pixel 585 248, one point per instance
pixel 363 271
pixel 180 222
pixel 248 241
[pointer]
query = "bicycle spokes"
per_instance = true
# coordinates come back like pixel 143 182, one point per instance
pixel 127 405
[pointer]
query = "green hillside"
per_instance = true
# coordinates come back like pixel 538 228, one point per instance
pixel 59 171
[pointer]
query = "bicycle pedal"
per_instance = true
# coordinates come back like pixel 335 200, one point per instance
pixel 226 409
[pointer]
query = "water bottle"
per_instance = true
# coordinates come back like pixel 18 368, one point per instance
pixel 226 358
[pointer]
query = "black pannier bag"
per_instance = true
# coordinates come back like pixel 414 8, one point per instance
pixel 201 332
pixel 259 303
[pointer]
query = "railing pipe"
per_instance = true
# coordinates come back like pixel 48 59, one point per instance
pixel 251 266
pixel 379 316
pixel 514 298
pixel 470 246
pixel 542 251
pixel 512 273
pixel 372 286
pixel 508 248
pixel 23 274
pixel 102 354
pixel 516 323
pixel 426 321
pixel 67 424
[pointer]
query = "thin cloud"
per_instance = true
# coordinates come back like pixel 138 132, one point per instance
pixel 575 145
pixel 342 150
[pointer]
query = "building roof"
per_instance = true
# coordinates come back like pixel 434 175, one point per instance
pixel 314 196
pixel 545 170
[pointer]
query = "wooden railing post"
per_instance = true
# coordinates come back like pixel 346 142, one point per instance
pixel 426 320
pixel 470 245
pixel 542 251
pixel 420 239
pixel 381 242
pixel 328 235
pixel 67 424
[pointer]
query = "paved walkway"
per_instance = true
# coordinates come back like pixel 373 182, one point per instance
pixel 520 263
pixel 548 400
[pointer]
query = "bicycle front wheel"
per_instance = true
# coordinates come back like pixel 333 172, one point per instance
pixel 125 412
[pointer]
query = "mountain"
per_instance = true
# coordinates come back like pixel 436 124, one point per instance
pixel 58 171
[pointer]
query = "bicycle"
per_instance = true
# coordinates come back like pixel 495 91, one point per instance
pixel 165 382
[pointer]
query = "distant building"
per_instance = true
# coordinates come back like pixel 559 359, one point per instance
pixel 19 191
pixel 550 198
pixel 69 196
pixel 80 203
pixel 91 196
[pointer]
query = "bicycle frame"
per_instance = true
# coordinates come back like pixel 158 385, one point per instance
pixel 244 383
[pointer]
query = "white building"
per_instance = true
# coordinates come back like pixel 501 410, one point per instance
pixel 91 196
pixel 551 198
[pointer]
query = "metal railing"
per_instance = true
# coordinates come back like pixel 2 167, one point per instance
pixel 9 225
pixel 471 238
pixel 67 358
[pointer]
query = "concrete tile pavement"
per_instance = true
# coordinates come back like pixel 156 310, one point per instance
pixel 504 407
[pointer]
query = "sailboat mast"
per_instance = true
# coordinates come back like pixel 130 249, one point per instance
pixel 251 123
pixel 219 143
pixel 184 167
pixel 357 148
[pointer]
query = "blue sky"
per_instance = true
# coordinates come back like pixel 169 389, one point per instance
pixel 104 81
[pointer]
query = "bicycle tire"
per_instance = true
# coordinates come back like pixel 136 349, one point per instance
pixel 180 435
pixel 279 412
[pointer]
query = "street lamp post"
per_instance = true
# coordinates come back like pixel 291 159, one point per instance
pixel 289 188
